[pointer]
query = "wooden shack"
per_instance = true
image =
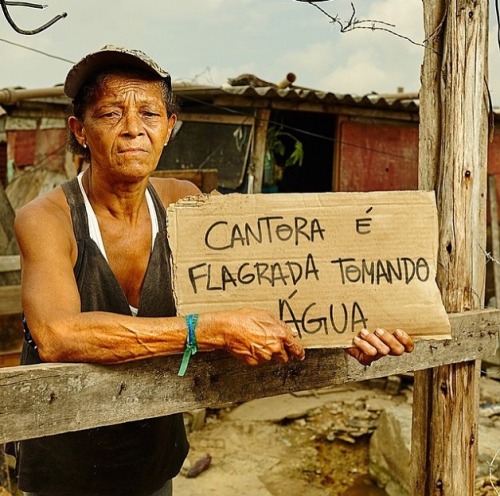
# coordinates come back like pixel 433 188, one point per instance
pixel 349 143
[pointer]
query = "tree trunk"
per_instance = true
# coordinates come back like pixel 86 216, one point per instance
pixel 452 160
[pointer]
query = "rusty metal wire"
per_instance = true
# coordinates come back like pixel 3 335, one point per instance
pixel 4 4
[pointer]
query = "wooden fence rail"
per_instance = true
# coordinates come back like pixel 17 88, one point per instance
pixel 52 398
pixel 10 295
pixel 10 305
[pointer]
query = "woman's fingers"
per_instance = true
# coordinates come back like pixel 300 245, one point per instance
pixel 360 355
pixel 365 347
pixel 294 349
pixel 391 345
pixel 405 340
pixel 370 346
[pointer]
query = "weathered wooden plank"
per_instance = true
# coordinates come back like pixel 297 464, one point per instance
pixel 9 263
pixel 8 242
pixel 10 358
pixel 10 300
pixel 259 148
pixel 429 155
pixel 52 398
pixel 452 159
pixel 217 118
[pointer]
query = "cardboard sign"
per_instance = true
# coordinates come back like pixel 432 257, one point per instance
pixel 328 264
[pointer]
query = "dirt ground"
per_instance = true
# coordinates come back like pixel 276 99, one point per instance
pixel 313 443
pixel 266 449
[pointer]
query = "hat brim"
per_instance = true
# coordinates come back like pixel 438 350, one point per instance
pixel 98 61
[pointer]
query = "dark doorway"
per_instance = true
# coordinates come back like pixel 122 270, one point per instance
pixel 316 132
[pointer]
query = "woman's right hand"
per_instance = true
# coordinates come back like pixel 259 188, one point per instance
pixel 256 336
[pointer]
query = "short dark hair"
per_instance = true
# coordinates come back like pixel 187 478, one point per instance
pixel 88 93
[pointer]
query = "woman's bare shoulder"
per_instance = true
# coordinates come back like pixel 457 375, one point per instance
pixel 48 213
pixel 171 190
pixel 52 203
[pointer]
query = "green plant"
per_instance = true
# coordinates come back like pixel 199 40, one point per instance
pixel 276 158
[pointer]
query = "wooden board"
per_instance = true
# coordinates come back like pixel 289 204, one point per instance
pixel 10 300
pixel 52 398
pixel 10 263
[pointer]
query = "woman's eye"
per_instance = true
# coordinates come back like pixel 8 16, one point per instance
pixel 109 114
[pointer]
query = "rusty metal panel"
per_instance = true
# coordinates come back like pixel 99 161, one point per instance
pixel 21 147
pixel 3 164
pixel 50 149
pixel 377 156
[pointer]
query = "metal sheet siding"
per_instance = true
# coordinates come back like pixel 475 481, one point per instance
pixel 378 156
pixel 21 147
pixel 3 164
pixel 50 149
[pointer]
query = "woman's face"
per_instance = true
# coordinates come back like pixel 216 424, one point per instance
pixel 126 127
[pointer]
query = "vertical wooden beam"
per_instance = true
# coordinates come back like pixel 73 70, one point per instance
pixel 453 146
pixel 495 237
pixel 429 143
pixel 8 242
pixel 259 148
pixel 429 155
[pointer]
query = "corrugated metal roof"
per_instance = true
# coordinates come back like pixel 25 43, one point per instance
pixel 295 94
pixel 291 94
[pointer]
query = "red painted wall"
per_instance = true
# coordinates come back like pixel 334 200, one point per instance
pixel 50 149
pixel 41 147
pixel 377 156
pixel 21 147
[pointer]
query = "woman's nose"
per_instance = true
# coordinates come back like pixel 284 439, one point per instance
pixel 132 123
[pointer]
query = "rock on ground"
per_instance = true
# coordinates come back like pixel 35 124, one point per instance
pixel 391 443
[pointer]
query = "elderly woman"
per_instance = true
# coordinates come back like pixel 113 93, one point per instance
pixel 96 282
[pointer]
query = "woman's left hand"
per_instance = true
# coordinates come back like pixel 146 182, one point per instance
pixel 370 346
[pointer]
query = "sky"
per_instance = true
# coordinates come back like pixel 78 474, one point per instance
pixel 209 41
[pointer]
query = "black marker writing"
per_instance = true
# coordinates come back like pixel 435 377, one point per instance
pixel 214 277
pixel 382 271
pixel 363 225
pixel 222 236
pixel 311 319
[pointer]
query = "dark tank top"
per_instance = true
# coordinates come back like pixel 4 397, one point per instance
pixel 134 458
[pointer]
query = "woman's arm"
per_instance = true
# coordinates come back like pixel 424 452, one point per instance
pixel 63 333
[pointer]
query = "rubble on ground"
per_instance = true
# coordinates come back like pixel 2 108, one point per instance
pixel 339 441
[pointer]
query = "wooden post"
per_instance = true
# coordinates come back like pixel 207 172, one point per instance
pixel 495 237
pixel 453 146
pixel 259 148
pixel 8 242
